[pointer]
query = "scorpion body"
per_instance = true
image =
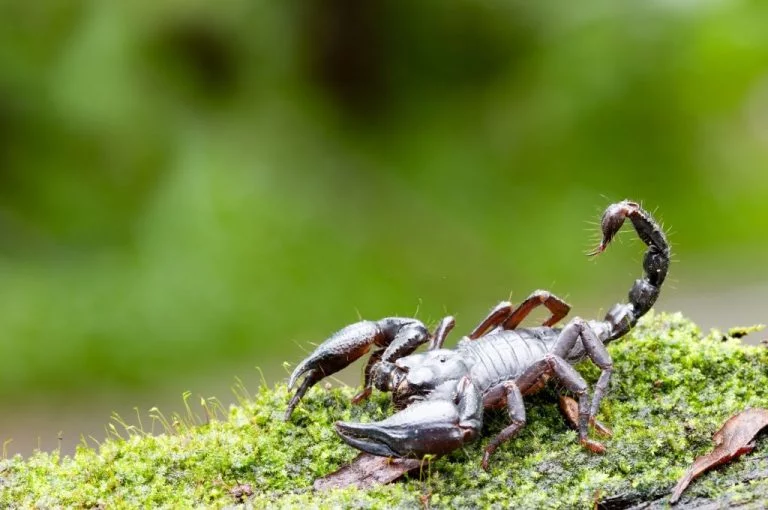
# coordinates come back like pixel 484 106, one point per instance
pixel 505 355
pixel 441 394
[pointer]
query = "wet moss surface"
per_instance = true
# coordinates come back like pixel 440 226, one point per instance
pixel 672 388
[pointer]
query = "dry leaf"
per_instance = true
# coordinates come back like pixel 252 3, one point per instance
pixel 732 440
pixel 367 470
pixel 570 410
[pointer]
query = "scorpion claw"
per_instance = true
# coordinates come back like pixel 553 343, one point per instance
pixel 366 437
pixel 341 349
pixel 427 427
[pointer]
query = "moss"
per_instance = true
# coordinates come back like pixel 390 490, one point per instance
pixel 672 388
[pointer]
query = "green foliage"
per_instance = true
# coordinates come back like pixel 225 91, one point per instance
pixel 179 178
pixel 672 388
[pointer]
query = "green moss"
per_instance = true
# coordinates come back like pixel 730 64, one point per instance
pixel 672 388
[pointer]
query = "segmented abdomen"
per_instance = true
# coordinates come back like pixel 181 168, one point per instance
pixel 505 355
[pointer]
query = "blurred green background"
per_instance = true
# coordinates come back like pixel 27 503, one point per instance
pixel 192 189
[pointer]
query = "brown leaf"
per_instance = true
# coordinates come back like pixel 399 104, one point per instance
pixel 732 440
pixel 570 410
pixel 367 470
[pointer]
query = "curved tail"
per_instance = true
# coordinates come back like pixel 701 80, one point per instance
pixel 623 316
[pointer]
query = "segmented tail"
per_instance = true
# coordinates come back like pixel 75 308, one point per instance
pixel 643 294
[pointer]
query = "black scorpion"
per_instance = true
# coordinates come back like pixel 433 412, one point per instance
pixel 442 393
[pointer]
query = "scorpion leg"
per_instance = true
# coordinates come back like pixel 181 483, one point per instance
pixel 441 332
pixel 516 410
pixel 495 318
pixel 554 365
pixel 554 304
pixel 575 383
pixel 595 349
pixel 505 316
pixel 451 417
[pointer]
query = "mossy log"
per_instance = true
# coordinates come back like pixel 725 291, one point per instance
pixel 672 388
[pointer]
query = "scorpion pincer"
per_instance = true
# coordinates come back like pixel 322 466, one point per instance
pixel 441 394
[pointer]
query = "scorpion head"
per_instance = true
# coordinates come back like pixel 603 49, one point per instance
pixel 413 378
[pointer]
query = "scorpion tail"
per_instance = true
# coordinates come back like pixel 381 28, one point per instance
pixel 623 316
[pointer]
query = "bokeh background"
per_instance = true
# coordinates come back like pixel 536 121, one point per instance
pixel 190 189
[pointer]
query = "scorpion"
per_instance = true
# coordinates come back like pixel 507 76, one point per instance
pixel 441 394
